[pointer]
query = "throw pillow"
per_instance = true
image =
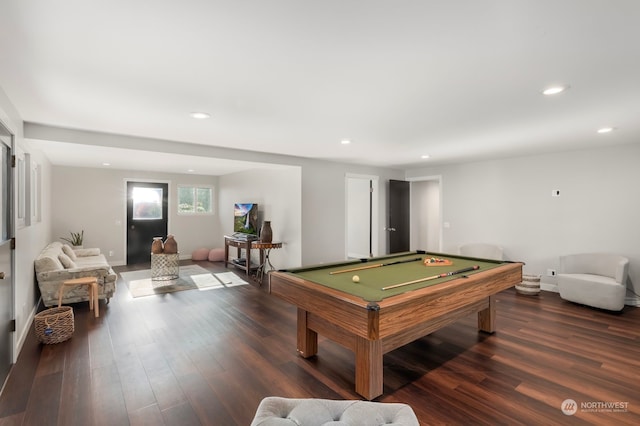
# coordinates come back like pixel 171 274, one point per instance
pixel 66 261
pixel 69 251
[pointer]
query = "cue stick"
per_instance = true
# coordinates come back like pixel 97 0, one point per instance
pixel 446 274
pixel 375 265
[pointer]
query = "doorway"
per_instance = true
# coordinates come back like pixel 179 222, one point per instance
pixel 147 217
pixel 426 214
pixel 6 255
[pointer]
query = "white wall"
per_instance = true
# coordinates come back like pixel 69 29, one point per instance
pixel 323 208
pixel 358 221
pixel 94 200
pixel 279 197
pixel 322 184
pixel 509 202
pixel 29 239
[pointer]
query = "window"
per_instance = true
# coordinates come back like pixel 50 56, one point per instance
pixel 147 203
pixel 195 199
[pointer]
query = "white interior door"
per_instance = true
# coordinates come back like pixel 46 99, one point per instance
pixel 6 253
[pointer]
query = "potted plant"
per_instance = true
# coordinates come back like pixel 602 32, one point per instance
pixel 76 239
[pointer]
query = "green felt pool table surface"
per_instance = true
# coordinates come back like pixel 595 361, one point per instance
pixel 372 280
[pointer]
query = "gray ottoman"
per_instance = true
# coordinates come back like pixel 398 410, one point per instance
pixel 275 411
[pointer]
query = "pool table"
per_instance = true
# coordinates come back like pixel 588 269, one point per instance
pixel 418 298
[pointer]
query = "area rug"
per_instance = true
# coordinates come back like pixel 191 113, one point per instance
pixel 190 277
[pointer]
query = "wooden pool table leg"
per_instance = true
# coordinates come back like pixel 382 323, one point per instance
pixel 307 338
pixel 487 317
pixel 368 367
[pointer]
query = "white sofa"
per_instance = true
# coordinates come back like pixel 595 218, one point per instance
pixel 58 262
pixel 594 279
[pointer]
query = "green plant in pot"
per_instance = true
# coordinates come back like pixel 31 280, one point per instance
pixel 75 239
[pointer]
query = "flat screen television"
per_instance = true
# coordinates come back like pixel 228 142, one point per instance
pixel 245 218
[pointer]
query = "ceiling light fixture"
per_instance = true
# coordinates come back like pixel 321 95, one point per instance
pixel 605 129
pixel 554 90
pixel 191 170
pixel 200 115
pixel 345 141
pixel 106 164
pixel 424 157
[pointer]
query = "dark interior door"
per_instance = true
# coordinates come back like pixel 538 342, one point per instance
pixel 147 211
pixel 398 211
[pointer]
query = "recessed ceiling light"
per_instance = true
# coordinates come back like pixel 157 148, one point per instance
pixel 106 164
pixel 191 170
pixel 200 115
pixel 605 130
pixel 345 141
pixel 554 90
pixel 425 156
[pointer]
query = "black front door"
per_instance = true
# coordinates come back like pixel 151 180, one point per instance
pixel 398 222
pixel 147 211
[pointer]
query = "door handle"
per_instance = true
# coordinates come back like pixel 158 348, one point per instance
pixel 133 227
pixel 1 275
pixel 391 229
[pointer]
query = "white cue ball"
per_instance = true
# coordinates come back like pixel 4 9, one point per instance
pixel 355 279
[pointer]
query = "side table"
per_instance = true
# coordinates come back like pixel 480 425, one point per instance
pixel 165 266
pixel 265 262
pixel 92 289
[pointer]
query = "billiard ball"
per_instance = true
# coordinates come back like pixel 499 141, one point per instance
pixel 355 279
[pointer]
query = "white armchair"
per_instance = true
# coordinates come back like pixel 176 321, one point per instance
pixel 482 250
pixel 594 279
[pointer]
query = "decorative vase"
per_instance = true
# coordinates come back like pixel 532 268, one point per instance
pixel 266 234
pixel 170 245
pixel 156 245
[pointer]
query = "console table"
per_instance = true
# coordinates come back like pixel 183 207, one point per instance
pixel 239 243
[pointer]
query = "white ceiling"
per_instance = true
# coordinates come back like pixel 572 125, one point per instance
pixel 458 80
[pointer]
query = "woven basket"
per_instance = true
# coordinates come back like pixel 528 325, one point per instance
pixel 54 325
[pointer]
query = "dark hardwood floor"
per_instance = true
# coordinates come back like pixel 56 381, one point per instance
pixel 192 357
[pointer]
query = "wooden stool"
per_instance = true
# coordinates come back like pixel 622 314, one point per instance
pixel 92 284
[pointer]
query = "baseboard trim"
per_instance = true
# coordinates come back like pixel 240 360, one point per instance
pixel 25 331
pixel 549 287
